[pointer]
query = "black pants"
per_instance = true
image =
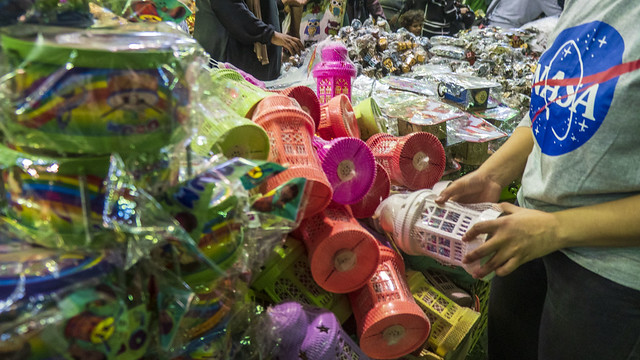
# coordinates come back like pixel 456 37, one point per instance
pixel 554 309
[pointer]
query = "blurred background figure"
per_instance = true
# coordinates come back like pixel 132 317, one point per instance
pixel 361 9
pixel 515 13
pixel 246 35
pixel 412 21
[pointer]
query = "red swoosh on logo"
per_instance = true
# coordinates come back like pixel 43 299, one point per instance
pixel 597 78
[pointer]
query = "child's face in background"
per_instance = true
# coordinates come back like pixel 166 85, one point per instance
pixel 415 28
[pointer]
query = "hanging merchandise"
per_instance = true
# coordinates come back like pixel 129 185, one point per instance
pixel 320 19
pixel 334 73
pixel 389 322
pixel 349 166
pixel 342 254
pixel 419 226
pixel 415 161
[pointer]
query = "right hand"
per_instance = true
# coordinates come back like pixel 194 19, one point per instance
pixel 475 187
pixel 292 44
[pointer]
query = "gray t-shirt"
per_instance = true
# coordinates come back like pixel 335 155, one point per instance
pixel 585 117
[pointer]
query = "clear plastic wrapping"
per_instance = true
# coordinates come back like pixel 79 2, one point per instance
pixel 94 92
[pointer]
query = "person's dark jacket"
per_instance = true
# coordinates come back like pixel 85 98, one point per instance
pixel 227 30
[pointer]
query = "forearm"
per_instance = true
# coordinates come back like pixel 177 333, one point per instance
pixel 613 224
pixel 508 162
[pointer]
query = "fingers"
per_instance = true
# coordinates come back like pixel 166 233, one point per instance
pixel 484 227
pixel 509 208
pixel 446 194
pixel 292 44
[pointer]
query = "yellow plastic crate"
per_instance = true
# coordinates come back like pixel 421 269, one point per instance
pixel 450 323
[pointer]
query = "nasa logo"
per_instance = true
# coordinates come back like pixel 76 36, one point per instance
pixel 574 85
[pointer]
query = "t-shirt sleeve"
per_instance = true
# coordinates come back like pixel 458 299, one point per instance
pixel 241 23
pixel 526 121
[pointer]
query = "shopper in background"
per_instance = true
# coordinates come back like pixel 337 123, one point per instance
pixel 567 259
pixel 412 21
pixel 246 35
pixel 361 9
pixel 439 14
pixel 515 13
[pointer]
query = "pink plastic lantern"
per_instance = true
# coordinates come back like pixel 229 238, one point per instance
pixel 334 73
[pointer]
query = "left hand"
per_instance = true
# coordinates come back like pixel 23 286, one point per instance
pixel 520 235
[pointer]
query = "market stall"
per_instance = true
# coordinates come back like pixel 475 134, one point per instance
pixel 157 207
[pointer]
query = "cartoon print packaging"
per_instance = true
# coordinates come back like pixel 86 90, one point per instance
pixel 321 18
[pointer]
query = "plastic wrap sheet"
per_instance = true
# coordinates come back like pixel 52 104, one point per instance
pixel 94 92
pixel 473 139
pixel 65 304
pixel 204 234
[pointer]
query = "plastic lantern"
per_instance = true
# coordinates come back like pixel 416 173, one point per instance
pixel 334 73
pixel 419 226
pixel 390 323
pixel 343 255
pixel 223 131
pixel 305 332
pixel 307 99
pixel 325 339
pixel 415 161
pixel 290 131
pixel 349 166
pixel 286 275
pixel 337 119
pixel 239 94
pixel 366 207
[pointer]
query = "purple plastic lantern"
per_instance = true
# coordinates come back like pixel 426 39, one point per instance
pixel 349 165
pixel 334 73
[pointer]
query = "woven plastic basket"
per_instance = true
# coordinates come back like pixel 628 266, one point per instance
pixel 416 161
pixel 287 276
pixel 390 323
pixel 343 255
pixel 450 323
pixel 337 119
pixel 349 166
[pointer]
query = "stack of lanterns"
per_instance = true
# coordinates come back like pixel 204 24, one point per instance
pixel 318 137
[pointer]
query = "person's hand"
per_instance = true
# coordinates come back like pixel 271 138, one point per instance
pixel 519 236
pixel 294 3
pixel 464 10
pixel 292 44
pixel 474 187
